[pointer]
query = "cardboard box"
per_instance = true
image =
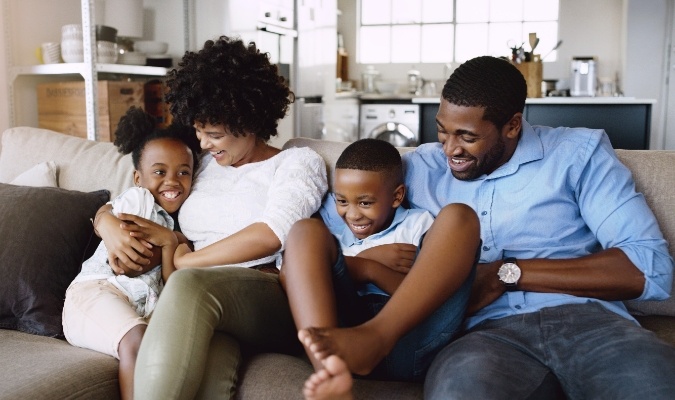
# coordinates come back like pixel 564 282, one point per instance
pixel 61 106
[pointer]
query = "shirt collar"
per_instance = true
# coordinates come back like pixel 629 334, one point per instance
pixel 347 238
pixel 529 149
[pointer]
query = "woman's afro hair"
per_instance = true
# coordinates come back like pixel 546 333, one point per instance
pixel 231 84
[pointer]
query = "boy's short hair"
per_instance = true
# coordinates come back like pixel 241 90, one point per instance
pixel 373 155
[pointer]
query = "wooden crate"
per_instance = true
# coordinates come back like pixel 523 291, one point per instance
pixel 61 106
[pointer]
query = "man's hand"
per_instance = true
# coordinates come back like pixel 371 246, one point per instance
pixel 486 287
pixel 396 256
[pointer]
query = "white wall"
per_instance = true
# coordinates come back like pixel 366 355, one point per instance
pixel 646 43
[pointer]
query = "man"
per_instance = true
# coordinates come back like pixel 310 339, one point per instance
pixel 565 238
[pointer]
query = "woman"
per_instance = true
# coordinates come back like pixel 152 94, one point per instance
pixel 244 200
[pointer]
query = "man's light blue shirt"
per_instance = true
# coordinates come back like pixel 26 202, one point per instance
pixel 563 194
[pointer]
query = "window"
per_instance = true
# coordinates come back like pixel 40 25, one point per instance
pixel 440 31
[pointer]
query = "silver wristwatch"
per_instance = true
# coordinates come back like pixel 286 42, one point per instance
pixel 509 273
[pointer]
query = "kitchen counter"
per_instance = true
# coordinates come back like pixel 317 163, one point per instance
pixel 627 120
pixel 553 100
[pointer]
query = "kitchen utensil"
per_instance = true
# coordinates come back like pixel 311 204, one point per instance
pixel 534 41
pixel 553 49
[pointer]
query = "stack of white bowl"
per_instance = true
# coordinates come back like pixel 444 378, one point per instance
pixel 72 49
pixel 107 51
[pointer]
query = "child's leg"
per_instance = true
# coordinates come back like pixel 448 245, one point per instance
pixel 98 316
pixel 128 351
pixel 306 275
pixel 442 266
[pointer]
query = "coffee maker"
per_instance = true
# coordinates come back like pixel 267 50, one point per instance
pixel 583 76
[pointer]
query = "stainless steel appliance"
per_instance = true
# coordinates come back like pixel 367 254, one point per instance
pixel 583 76
pixel 398 124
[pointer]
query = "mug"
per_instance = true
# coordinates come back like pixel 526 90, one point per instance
pixel 51 52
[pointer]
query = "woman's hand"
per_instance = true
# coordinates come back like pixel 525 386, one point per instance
pixel 148 231
pixel 125 253
pixel 396 256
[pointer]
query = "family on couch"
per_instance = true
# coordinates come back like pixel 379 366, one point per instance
pixel 563 235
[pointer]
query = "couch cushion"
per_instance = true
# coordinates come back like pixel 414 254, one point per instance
pixel 37 367
pixel 278 376
pixel 46 234
pixel 84 165
pixel 655 178
pixel 40 175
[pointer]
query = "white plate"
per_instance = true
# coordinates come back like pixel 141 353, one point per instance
pixel 132 58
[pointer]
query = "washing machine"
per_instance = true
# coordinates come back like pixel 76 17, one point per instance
pixel 399 124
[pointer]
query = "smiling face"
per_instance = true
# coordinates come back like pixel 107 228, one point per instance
pixel 365 200
pixel 227 149
pixel 165 169
pixel 473 145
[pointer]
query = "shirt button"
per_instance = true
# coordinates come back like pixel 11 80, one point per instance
pixel 486 248
pixel 483 213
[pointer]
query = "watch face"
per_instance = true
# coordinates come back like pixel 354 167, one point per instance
pixel 509 273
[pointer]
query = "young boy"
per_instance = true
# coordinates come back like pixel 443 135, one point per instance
pixel 346 279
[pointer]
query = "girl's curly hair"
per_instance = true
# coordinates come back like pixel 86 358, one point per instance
pixel 231 84
pixel 137 128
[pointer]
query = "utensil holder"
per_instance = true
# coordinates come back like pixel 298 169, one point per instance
pixel 532 72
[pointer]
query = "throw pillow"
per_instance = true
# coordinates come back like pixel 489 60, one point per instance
pixel 46 234
pixel 40 175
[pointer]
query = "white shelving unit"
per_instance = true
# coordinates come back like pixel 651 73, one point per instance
pixel 89 70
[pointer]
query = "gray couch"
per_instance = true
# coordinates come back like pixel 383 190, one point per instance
pixel 38 367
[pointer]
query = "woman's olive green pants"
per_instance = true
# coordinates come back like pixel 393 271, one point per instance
pixel 191 348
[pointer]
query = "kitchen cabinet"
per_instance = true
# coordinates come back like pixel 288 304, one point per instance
pixel 626 120
pixel 45 19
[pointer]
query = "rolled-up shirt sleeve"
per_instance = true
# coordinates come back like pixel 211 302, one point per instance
pixel 623 220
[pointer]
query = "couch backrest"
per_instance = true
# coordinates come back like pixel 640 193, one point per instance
pixel 82 164
pixel 654 174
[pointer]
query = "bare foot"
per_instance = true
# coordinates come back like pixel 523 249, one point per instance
pixel 361 347
pixel 334 382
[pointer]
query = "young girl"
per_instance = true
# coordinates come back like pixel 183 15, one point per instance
pixel 108 312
